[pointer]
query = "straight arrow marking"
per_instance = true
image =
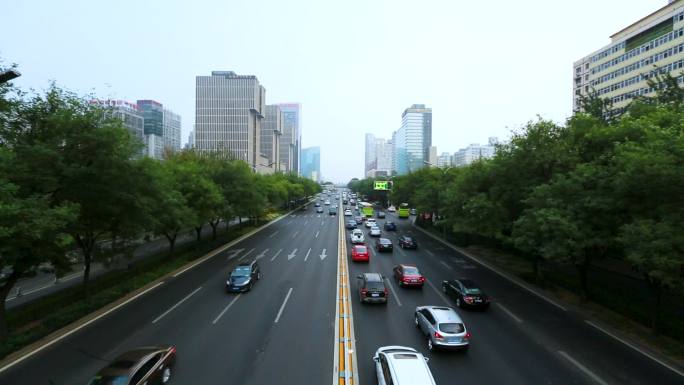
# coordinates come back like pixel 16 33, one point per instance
pixel 276 255
pixel 323 255
pixel 307 255
pixel 292 254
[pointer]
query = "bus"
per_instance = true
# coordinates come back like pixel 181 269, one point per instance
pixel 404 210
pixel 365 208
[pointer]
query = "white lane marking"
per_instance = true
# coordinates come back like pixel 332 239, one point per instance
pixel 429 252
pixel 305 222
pixel 72 331
pixel 583 368
pixel 288 222
pixel 372 250
pixel 226 309
pixel 262 254
pixel 273 235
pixel 510 313
pixel 244 255
pixel 636 348
pixel 497 271
pixel 439 293
pixel 276 255
pixel 177 304
pixel 292 254
pixel 446 265
pixel 322 223
pixel 234 253
pixel 394 293
pixel 307 255
pixel 283 305
pixel 323 255
pixel 295 234
pixel 317 232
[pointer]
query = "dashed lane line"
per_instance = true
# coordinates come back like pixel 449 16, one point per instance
pixel 177 304
pixel 583 368
pixel 225 309
pixel 282 307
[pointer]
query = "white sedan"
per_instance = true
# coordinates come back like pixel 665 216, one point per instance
pixel 357 236
pixel 370 222
pixel 347 213
pixel 374 231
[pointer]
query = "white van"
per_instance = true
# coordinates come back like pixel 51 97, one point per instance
pixel 400 365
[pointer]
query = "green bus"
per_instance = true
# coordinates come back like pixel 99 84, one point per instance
pixel 404 210
pixel 365 208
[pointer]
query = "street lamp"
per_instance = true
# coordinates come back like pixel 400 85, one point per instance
pixel 8 75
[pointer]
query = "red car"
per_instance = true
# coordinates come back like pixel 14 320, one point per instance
pixel 408 275
pixel 360 253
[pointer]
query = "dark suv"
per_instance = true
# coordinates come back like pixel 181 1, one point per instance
pixel 383 244
pixel 243 277
pixel 406 242
pixel 372 288
pixel 148 365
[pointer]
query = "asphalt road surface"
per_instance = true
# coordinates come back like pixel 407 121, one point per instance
pixel 283 330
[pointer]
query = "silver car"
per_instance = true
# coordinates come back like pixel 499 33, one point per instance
pixel 442 326
pixel 401 365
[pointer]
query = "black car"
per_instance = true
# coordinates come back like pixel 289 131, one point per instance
pixel 351 224
pixel 466 293
pixel 406 242
pixel 380 214
pixel 383 244
pixel 358 219
pixel 243 277
pixel 372 288
pixel 390 226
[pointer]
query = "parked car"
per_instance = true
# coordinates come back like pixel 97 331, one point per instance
pixel 390 226
pixel 374 231
pixel 406 242
pixel 350 225
pixel 147 365
pixel 408 275
pixel 370 222
pixel 372 288
pixel 383 244
pixel 357 236
pixel 380 214
pixel 243 276
pixel 400 365
pixel 466 293
pixel 360 253
pixel 442 327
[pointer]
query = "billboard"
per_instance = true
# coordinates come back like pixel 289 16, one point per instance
pixel 382 185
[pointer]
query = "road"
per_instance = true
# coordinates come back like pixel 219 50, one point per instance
pixel 283 331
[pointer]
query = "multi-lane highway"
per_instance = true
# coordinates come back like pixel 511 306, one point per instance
pixel 284 330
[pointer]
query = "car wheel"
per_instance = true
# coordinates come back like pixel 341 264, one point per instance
pixel 166 375
pixel 458 302
pixel 431 347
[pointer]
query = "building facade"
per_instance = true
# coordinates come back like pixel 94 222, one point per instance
pixel 271 132
pixel 473 152
pixel 131 116
pixel 229 112
pixel 444 160
pixel 413 140
pixel 369 154
pixel 620 71
pixel 311 163
pixel 172 131
pixel 290 140
pixel 153 112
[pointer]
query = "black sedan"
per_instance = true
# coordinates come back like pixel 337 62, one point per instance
pixel 243 277
pixel 358 219
pixel 466 293
pixel 383 244
pixel 351 224
pixel 390 226
pixel 406 242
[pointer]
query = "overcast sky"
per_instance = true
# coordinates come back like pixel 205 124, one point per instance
pixel 485 67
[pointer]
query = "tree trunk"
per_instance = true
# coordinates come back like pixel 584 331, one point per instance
pixel 4 292
pixel 86 244
pixel 198 230
pixel 214 226
pixel 583 270
pixel 172 240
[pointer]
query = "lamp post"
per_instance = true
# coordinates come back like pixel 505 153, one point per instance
pixel 8 75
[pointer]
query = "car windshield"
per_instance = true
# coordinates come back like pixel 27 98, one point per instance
pixel 451 328
pixel 408 239
pixel 109 380
pixel 241 271
pixel 361 249
pixel 375 285
pixel 410 270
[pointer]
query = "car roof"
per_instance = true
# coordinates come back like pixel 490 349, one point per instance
pixel 468 283
pixel 124 363
pixel 408 265
pixel 409 367
pixel 444 314
pixel 384 240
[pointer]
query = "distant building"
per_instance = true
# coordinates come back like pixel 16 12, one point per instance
pixel 172 131
pixel 290 141
pixel 153 112
pixel 311 163
pixel 413 140
pixel 271 132
pixel 444 160
pixel 130 115
pixel 191 140
pixel 468 155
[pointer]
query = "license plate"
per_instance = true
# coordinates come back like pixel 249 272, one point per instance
pixel 478 300
pixel 414 280
pixel 455 340
pixel 375 295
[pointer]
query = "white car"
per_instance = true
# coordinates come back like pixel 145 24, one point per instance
pixel 391 209
pixel 327 203
pixel 374 231
pixel 370 222
pixel 347 213
pixel 401 365
pixel 357 236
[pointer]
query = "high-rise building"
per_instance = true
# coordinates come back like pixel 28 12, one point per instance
pixel 473 152
pixel 444 160
pixel 131 116
pixel 191 140
pixel 229 111
pixel 620 71
pixel 271 131
pixel 383 157
pixel 172 131
pixel 311 163
pixel 412 141
pixel 153 112
pixel 290 140
pixel 370 156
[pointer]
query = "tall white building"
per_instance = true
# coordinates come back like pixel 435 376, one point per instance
pixel 473 152
pixel 172 130
pixel 291 138
pixel 369 154
pixel 444 160
pixel 413 140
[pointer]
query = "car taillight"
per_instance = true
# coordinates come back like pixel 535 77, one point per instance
pixel 422 279
pixel 468 299
pixel 386 292
pixel 364 291
pixel 467 336
pixel 438 336
pixel 172 349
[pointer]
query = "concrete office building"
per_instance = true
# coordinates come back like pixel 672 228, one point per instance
pixel 229 112
pixel 369 154
pixel 412 142
pixel 444 160
pixel 620 70
pixel 291 139
pixel 153 112
pixel 130 115
pixel 473 152
pixel 171 131
pixel 311 163
pixel 378 156
pixel 271 131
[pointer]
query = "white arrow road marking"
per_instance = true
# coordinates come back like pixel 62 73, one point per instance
pixel 323 255
pixel 276 255
pixel 233 253
pixel 307 255
pixel 317 232
pixel 272 235
pixel 295 234
pixel 292 254
pixel 244 255
pixel 262 254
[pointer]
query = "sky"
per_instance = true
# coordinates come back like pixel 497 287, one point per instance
pixel 484 67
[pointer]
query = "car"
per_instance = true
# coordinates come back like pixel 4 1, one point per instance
pixel 412 212
pixel 360 253
pixel 380 214
pixel 408 275
pixel 347 213
pixel 466 293
pixel 332 211
pixel 390 226
pixel 383 244
pixel 145 365
pixel 319 209
pixel 372 288
pixel 358 219
pixel 374 231
pixel 243 276
pixel 400 365
pixel 350 225
pixel 406 242
pixel 392 209
pixel 442 327
pixel 370 222
pixel 317 204
pixel 345 201
pixel 357 236
pixel 327 202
